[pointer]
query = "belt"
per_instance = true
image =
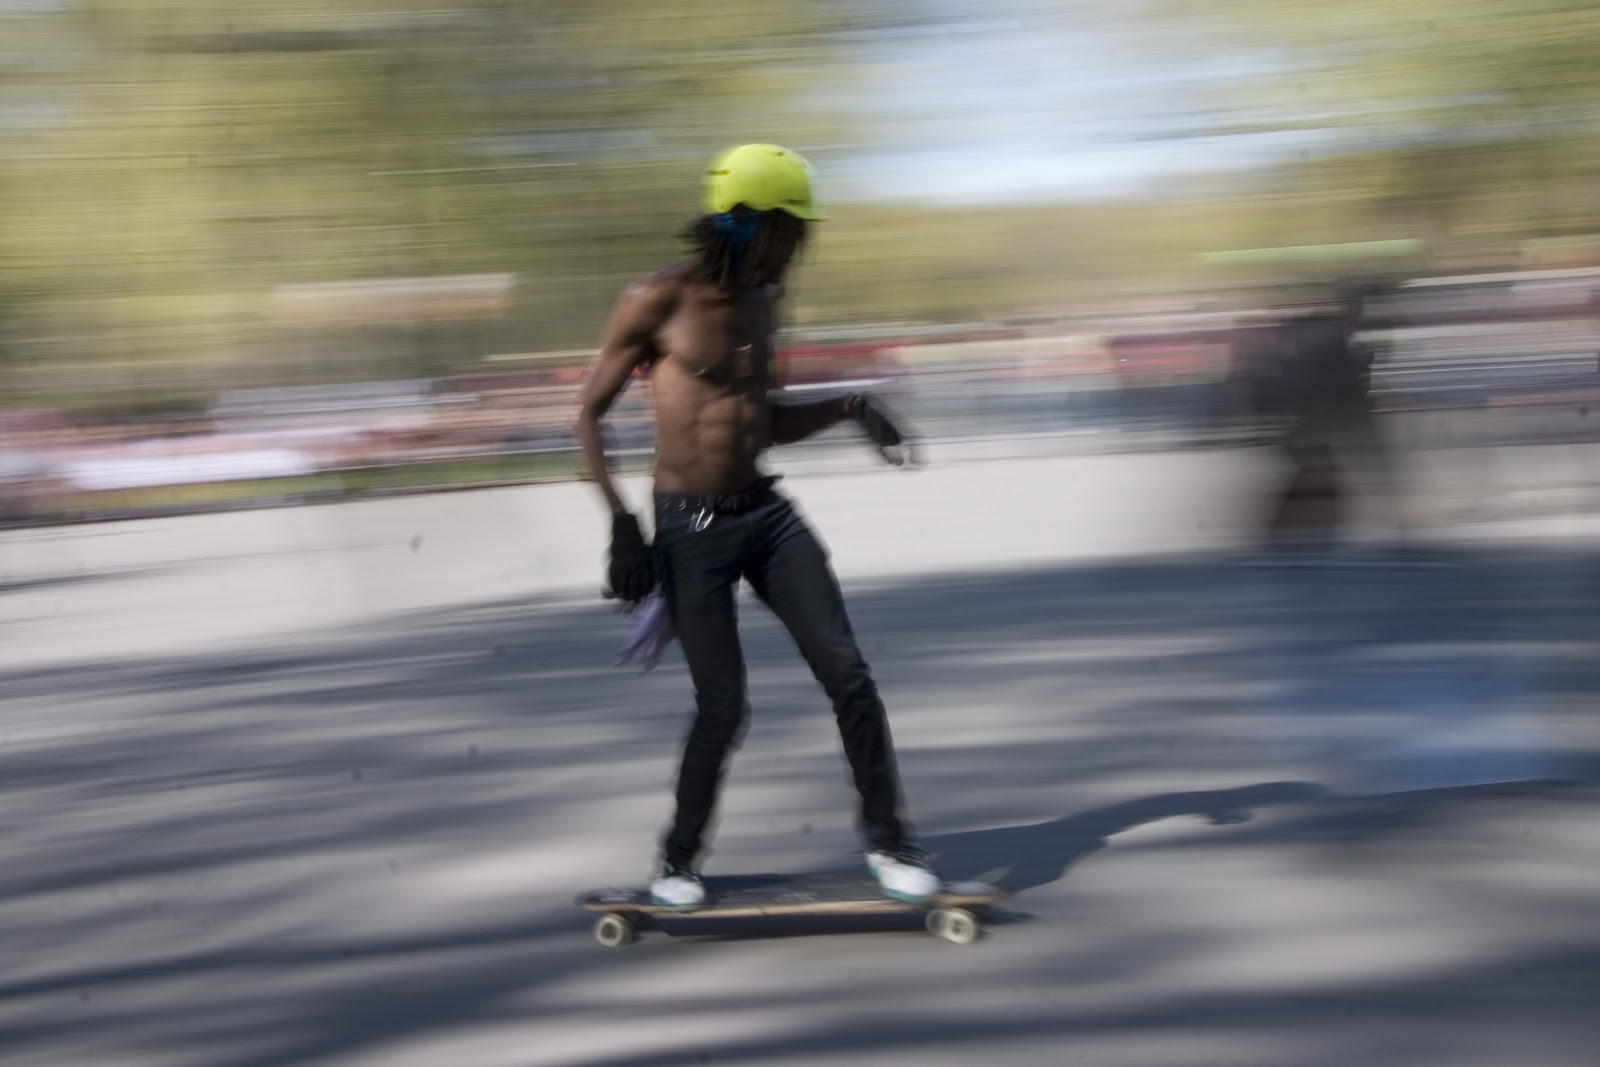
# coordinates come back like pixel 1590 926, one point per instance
pixel 746 499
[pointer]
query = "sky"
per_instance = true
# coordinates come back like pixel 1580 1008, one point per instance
pixel 989 101
pixel 1034 100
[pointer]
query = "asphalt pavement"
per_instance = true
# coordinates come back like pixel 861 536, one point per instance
pixel 1251 810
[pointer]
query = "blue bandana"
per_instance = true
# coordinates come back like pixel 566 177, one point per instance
pixel 738 230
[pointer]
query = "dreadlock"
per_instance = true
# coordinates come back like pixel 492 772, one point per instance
pixel 778 237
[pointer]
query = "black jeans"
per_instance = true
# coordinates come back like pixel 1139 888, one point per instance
pixel 762 539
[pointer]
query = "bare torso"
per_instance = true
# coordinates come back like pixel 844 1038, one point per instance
pixel 710 375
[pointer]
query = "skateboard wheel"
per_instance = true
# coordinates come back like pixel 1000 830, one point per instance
pixel 955 925
pixel 615 931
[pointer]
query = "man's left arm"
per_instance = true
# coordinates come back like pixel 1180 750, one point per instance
pixel 796 422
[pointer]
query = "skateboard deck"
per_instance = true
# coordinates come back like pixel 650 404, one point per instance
pixel 952 913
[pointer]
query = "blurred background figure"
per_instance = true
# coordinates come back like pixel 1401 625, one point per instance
pixel 1307 372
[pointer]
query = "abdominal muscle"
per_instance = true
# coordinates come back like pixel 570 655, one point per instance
pixel 708 436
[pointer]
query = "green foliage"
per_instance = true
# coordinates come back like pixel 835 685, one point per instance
pixel 200 155
pixel 167 165
pixel 1444 114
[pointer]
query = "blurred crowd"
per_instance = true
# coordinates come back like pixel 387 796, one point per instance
pixel 1518 352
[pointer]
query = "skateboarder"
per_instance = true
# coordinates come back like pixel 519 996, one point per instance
pixel 702 328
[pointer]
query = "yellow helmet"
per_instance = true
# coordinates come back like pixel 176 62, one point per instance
pixel 766 177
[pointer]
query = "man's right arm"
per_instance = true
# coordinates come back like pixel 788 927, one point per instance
pixel 628 344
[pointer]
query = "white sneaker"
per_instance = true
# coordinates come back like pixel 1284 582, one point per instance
pixel 903 873
pixel 677 886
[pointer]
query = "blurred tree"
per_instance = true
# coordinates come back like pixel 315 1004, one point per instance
pixel 1436 115
pixel 184 159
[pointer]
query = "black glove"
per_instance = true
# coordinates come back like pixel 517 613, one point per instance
pixel 881 427
pixel 632 572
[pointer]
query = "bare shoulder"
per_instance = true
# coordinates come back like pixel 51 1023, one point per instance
pixel 641 311
pixel 661 292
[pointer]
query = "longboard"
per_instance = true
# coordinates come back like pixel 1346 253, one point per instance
pixel 952 914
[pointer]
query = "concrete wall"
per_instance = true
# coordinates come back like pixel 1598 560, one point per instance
pixel 160 585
